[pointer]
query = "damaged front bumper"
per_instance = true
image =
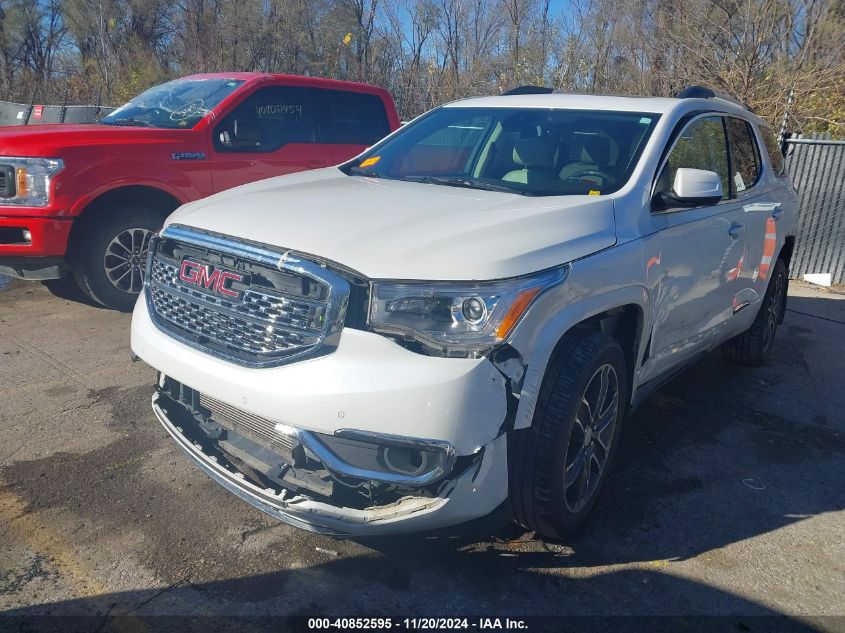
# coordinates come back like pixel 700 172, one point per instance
pixel 369 386
pixel 455 497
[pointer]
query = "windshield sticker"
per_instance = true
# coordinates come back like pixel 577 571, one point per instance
pixel 372 160
pixel 739 182
pixel 279 110
pixel 645 121
pixel 594 192
pixel 193 108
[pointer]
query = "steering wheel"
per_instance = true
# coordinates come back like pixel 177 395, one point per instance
pixel 586 173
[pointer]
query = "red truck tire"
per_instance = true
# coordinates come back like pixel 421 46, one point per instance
pixel 108 263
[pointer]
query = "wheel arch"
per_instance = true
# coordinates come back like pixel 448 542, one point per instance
pixel 621 313
pixel 156 197
pixel 787 250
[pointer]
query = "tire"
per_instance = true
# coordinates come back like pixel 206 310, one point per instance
pixel 753 346
pixel 540 455
pixel 109 258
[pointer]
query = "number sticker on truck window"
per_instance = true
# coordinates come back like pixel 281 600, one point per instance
pixel 279 110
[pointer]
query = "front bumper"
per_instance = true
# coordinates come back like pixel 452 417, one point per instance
pixel 476 492
pixel 368 384
pixel 49 236
pixel 33 268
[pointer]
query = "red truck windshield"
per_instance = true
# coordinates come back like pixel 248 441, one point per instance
pixel 178 104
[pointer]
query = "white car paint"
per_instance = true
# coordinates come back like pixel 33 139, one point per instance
pixel 694 282
pixel 369 383
pixel 405 230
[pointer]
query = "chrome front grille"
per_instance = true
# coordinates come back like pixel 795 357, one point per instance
pixel 269 309
pixel 287 309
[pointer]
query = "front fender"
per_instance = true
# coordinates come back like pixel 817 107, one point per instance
pixel 121 183
pixel 595 284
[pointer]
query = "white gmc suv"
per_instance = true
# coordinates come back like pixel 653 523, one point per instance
pixel 459 319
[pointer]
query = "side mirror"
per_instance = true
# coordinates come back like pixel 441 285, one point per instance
pixel 246 132
pixel 692 188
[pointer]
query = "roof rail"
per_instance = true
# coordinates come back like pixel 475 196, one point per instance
pixel 530 90
pixel 703 92
pixel 696 92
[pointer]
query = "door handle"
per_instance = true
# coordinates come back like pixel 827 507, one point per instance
pixel 736 230
pixel 777 214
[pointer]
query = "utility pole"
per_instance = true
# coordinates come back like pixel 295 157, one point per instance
pixel 782 134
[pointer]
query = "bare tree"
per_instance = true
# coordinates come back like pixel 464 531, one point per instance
pixel 430 51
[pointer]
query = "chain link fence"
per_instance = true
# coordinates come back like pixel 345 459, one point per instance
pixel 816 164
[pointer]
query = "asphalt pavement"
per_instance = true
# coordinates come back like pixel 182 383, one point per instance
pixel 728 499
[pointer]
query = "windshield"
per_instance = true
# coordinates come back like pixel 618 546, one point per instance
pixel 530 151
pixel 176 104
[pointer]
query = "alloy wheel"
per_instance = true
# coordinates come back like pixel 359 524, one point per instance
pixel 125 259
pixel 773 311
pixel 590 438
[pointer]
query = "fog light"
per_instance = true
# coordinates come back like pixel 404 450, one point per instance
pixel 381 457
pixel 27 236
pixel 404 460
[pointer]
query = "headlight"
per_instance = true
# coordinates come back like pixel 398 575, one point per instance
pixel 25 182
pixel 456 318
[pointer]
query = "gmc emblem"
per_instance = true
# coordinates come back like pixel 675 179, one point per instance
pixel 206 276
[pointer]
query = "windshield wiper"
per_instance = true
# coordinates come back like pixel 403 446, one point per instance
pixel 129 121
pixel 468 183
pixel 362 171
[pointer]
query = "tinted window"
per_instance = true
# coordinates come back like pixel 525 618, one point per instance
pixel 700 146
pixel 773 148
pixel 268 119
pixel 745 166
pixel 530 151
pixel 349 118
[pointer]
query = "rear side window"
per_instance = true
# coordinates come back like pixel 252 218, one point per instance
pixel 745 157
pixel 701 146
pixel 268 119
pixel 773 148
pixel 349 118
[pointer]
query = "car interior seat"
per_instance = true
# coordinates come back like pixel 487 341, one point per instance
pixel 536 156
pixel 598 152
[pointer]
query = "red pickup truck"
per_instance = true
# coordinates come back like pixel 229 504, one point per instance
pixel 85 199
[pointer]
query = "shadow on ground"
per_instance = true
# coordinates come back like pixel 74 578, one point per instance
pixel 66 289
pixel 130 611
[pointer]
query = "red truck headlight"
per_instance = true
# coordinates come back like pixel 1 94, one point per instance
pixel 26 182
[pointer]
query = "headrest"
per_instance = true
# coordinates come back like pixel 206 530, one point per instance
pixel 595 149
pixel 537 152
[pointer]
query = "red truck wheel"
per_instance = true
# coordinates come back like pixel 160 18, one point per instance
pixel 109 266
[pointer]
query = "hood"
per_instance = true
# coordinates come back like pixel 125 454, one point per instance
pixel 51 140
pixel 387 229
